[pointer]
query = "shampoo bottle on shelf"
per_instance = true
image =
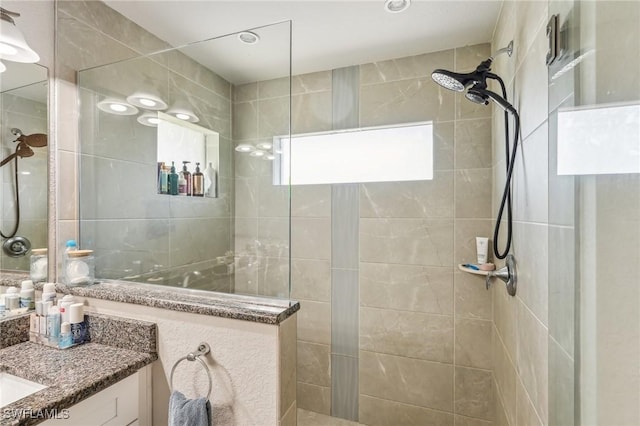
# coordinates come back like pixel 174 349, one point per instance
pixel 210 182
pixel 182 184
pixel 173 180
pixel 198 182
pixel 187 177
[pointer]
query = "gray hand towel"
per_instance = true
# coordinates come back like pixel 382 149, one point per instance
pixel 188 412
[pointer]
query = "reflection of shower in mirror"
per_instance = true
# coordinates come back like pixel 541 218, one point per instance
pixel 23 150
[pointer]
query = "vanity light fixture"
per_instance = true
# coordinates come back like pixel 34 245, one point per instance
pixel 149 119
pixel 257 153
pixel 266 146
pixel 396 6
pixel 117 107
pixel 13 46
pixel 245 147
pixel 183 114
pixel 248 37
pixel 147 101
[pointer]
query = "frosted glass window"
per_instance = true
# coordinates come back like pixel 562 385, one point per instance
pixel 381 154
pixel 600 140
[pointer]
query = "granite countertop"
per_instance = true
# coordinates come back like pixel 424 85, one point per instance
pixel 71 375
pixel 247 308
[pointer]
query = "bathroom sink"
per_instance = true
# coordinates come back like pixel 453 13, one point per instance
pixel 13 388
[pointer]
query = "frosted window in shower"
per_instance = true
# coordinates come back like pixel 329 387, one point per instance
pixel 600 140
pixel 381 154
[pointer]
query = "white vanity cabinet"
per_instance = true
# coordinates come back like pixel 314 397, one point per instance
pixel 121 404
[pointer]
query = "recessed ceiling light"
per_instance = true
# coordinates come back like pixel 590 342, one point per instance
pixel 245 147
pixel 117 107
pixel 149 119
pixel 264 145
pixel 248 37
pixel 147 101
pixel 269 157
pixel 183 114
pixel 13 46
pixel 257 153
pixel 396 6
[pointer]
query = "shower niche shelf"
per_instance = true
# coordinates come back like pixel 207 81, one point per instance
pixel 472 271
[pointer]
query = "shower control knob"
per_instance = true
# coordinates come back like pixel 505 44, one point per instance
pixel 16 246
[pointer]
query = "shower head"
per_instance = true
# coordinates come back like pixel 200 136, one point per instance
pixel 476 97
pixel 481 95
pixel 457 81
pixel 36 140
pixel 22 150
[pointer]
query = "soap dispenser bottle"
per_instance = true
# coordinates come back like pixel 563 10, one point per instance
pixel 198 182
pixel 210 182
pixel 173 180
pixel 187 177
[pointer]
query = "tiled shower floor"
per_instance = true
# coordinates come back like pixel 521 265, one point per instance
pixel 309 418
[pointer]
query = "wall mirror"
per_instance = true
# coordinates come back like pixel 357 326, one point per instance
pixel 23 224
pixel 192 107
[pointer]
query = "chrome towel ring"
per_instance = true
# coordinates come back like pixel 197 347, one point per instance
pixel 203 349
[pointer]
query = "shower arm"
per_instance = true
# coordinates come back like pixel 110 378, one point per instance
pixel 508 50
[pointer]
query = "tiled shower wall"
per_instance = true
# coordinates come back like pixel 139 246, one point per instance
pixel 423 332
pixel 521 339
pixel 30 116
pixel 163 230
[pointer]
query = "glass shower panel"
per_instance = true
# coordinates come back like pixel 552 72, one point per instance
pixel 144 121
pixel 594 189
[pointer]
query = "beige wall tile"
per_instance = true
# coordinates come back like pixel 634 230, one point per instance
pixel 505 378
pixel 473 343
pixel 501 415
pixel 374 411
pixel 473 193
pixel 505 311
pixel 531 178
pixel 245 93
pixel 291 416
pixel 405 68
pixel 407 380
pixel 561 386
pixel 472 299
pixel 532 360
pixel 473 144
pixel 311 112
pixel 273 117
pixel 245 120
pixel 531 16
pixel 311 280
pixel 311 238
pixel 474 393
pixel 410 334
pixel 314 364
pixel 526 414
pixel 311 201
pixel 311 82
pixel 443 145
pixel 314 322
pixel 275 88
pixel 407 241
pixel 469 57
pixel 409 199
pixel 314 398
pixel 406 287
pixel 469 421
pixel 405 102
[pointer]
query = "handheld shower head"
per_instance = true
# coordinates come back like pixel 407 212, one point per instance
pixel 457 81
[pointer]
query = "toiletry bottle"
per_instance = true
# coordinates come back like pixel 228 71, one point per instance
pixel 12 299
pixel 49 293
pixel 164 179
pixel 187 177
pixel 3 308
pixel 198 182
pixel 76 318
pixel 173 180
pixel 66 339
pixel 53 324
pixel 159 176
pixel 65 304
pixel 210 182
pixel 182 184
pixel 39 319
pixel 27 295
pixel 43 319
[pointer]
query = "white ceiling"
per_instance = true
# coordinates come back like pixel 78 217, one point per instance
pixel 326 34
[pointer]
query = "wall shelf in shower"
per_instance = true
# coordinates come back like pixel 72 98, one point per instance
pixel 472 271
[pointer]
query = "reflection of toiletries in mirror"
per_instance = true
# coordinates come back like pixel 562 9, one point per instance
pixel 164 179
pixel 187 177
pixel 38 265
pixel 210 182
pixel 173 180
pixel 198 182
pixel 482 247
pixel 12 299
pixel 182 184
